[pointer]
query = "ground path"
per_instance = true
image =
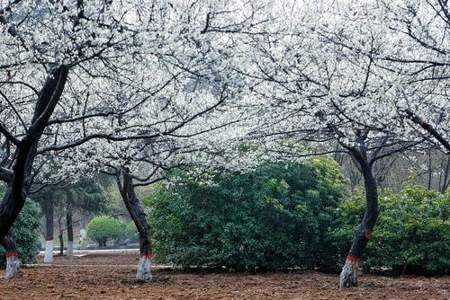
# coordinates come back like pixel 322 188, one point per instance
pixel 84 278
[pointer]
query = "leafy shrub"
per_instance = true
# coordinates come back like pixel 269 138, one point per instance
pixel 26 230
pixel 276 217
pixel 103 228
pixel 412 233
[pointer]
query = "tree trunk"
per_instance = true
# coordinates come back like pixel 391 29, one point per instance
pixel 137 213
pixel 363 232
pixel 12 261
pixel 49 217
pixel 17 189
pixel 61 237
pixel 69 229
pixel 14 198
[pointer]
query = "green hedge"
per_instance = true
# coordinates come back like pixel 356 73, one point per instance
pixel 276 217
pixel 27 234
pixel 412 233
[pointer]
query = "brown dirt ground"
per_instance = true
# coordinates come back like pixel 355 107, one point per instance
pixel 71 280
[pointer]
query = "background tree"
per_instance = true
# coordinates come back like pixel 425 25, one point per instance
pixel 97 48
pixel 315 88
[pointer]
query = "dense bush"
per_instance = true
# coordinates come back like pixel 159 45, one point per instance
pixel 412 233
pixel 26 229
pixel 278 216
pixel 101 229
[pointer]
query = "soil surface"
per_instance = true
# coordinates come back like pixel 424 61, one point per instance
pixel 111 276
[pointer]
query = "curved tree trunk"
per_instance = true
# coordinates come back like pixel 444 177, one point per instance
pixel 19 185
pixel 363 232
pixel 137 213
pixel 49 244
pixel 12 261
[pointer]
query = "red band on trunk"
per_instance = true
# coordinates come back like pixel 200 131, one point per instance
pixel 147 255
pixel 10 253
pixel 353 259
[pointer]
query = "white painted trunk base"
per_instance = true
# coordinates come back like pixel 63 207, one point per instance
pixel 48 257
pixel 349 275
pixel 144 269
pixel 70 248
pixel 12 266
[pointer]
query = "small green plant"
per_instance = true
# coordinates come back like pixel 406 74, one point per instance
pixel 101 229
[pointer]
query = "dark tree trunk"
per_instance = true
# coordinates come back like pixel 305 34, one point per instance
pixel 137 213
pixel 69 221
pixel 49 217
pixel 363 232
pixel 18 187
pixel 61 244
pixel 9 243
pixel 61 237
